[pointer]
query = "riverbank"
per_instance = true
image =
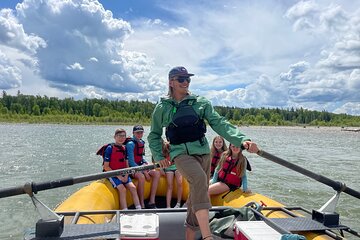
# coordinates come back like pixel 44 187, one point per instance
pixel 37 109
pixel 71 119
pixel 147 123
pixel 98 121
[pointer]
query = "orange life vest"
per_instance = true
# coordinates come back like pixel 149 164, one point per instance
pixel 117 158
pixel 139 150
pixel 228 173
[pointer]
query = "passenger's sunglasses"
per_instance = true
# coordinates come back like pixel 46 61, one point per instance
pixel 183 79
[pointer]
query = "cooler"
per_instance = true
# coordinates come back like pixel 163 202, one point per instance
pixel 139 226
pixel 254 230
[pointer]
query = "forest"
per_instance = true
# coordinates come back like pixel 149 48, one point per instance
pixel 42 109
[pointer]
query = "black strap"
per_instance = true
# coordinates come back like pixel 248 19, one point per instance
pixel 226 194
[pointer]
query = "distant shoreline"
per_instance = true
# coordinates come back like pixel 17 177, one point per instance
pixel 37 110
pixel 345 129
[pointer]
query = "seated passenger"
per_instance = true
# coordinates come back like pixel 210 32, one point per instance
pixel 218 146
pixel 135 149
pixel 230 173
pixel 115 158
pixel 170 172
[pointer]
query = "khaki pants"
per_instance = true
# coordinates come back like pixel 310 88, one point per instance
pixel 196 170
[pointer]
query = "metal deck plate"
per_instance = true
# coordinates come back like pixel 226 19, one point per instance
pixel 87 231
pixel 300 224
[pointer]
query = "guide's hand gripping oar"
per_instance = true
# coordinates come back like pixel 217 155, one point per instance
pixel 338 186
pixel 32 187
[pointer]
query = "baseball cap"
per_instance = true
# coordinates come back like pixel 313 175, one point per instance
pixel 179 71
pixel 138 128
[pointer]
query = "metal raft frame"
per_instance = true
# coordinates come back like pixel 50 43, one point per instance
pixel 110 230
pixel 298 224
pixel 56 230
pixel 51 224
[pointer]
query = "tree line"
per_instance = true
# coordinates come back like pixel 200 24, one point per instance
pixel 42 109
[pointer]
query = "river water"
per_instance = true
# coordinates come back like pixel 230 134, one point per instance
pixel 47 152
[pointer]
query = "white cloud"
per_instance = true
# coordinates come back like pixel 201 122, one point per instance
pixel 349 108
pixel 235 97
pixel 156 21
pixel 93 59
pixel 177 31
pixel 302 9
pixel 303 14
pixel 354 79
pixel 10 76
pixel 295 72
pixel 75 66
pixel 12 34
pixel 334 76
pixel 83 37
pixel 334 18
pixel 246 54
pixel 263 92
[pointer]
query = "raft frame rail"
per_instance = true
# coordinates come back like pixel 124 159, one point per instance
pixel 288 211
pixel 270 221
pixel 73 230
pixel 78 214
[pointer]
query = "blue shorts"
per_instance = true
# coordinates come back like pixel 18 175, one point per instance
pixel 116 181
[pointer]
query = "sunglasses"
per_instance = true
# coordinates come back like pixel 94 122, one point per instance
pixel 183 79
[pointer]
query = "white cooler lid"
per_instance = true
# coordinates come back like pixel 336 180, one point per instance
pixel 256 230
pixel 139 225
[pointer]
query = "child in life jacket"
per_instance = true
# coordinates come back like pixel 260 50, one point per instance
pixel 218 146
pixel 230 174
pixel 136 153
pixel 115 158
pixel 170 172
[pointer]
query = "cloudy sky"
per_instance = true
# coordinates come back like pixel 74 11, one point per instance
pixel 267 53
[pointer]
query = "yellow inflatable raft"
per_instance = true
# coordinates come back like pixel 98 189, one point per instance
pixel 100 195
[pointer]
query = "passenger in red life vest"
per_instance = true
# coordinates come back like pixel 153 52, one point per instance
pixel 170 172
pixel 230 174
pixel 218 146
pixel 135 149
pixel 115 158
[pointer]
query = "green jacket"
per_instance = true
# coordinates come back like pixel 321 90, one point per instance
pixel 162 117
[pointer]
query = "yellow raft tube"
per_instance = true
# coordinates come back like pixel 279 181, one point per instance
pixel 100 195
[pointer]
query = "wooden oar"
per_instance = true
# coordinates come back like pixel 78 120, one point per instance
pixel 338 186
pixel 32 187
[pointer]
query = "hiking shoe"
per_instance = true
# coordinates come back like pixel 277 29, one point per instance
pixel 177 205
pixel 151 206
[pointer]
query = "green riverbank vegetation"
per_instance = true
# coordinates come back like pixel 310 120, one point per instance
pixel 42 109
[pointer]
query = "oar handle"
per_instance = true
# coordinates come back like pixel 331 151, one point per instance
pixel 33 187
pixel 338 186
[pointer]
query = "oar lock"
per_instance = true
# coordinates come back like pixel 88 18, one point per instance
pixel 342 187
pixel 28 188
pixel 31 187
